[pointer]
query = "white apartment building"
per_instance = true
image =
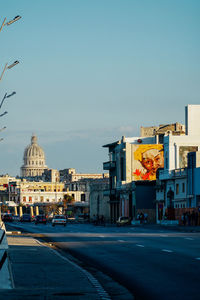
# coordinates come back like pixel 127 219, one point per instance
pixel 172 182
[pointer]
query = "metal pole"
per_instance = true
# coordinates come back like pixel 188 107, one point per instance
pixel 3 24
pixel 3 71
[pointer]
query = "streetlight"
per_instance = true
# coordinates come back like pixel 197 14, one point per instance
pixel 2 101
pixel 9 22
pixel 9 67
pixel 5 97
pixel 5 112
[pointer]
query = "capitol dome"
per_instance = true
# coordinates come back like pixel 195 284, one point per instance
pixel 34 159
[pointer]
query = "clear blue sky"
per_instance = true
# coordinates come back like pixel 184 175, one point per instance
pixel 91 71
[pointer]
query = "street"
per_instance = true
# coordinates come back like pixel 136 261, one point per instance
pixel 151 262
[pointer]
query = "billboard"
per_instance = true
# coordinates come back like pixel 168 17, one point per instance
pixel 146 160
pixel 183 151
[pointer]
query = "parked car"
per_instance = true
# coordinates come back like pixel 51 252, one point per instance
pixel 40 219
pixel 122 221
pixel 25 218
pixel 59 220
pixel 7 217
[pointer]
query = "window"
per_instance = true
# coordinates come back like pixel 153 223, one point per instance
pixel 41 198
pixel 177 189
pixel 30 199
pixel 83 197
pixel 183 187
pixel 161 138
pixel 24 199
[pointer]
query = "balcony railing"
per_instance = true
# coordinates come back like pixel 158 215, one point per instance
pixel 109 165
pixel 170 174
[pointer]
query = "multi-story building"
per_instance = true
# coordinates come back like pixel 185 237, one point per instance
pixel 127 165
pixel 133 163
pixel 173 188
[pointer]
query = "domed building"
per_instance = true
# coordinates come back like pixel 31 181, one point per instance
pixel 34 160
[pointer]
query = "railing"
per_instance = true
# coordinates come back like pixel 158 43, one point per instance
pixel 169 174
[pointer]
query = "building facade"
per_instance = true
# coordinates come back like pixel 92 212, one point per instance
pixel 133 164
pixel 175 190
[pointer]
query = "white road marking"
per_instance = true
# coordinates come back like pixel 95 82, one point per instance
pixel 102 236
pixel 198 258
pixel 190 239
pixel 166 250
pixel 99 288
pixel 140 245
pixel 120 241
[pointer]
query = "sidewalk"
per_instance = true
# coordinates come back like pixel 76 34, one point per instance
pixel 40 273
pixel 180 228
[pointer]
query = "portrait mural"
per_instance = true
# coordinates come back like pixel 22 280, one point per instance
pixel 183 152
pixel 147 159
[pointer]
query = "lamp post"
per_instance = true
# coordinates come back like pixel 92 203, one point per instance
pixel 9 22
pixel 2 101
pixel 8 67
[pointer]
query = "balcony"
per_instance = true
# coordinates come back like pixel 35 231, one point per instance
pixel 172 174
pixel 109 165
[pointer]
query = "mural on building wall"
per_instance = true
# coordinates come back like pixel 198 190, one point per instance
pixel 183 151
pixel 147 159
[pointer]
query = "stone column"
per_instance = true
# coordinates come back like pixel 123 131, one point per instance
pixel 36 211
pixel 31 211
pixel 20 211
pixel 15 208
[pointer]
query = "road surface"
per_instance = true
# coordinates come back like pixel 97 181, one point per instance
pixel 151 263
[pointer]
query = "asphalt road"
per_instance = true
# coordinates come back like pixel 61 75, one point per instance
pixel 151 263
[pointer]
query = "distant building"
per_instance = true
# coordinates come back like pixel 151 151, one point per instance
pixel 161 130
pixel 99 202
pixel 34 160
pixel 70 175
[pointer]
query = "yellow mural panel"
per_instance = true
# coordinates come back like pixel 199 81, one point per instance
pixel 147 159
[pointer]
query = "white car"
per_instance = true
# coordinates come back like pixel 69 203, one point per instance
pixel 59 220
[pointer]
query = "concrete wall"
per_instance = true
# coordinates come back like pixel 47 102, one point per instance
pixel 172 146
pixel 99 204
pixel 192 114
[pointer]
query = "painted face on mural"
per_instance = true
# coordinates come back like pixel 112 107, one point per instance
pixel 152 160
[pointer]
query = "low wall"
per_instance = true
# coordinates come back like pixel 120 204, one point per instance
pixel 5 272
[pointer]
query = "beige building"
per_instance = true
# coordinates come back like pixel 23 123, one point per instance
pixel 99 203
pixel 34 160
pixel 70 175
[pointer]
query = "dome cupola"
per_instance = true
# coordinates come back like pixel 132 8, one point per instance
pixel 34 159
